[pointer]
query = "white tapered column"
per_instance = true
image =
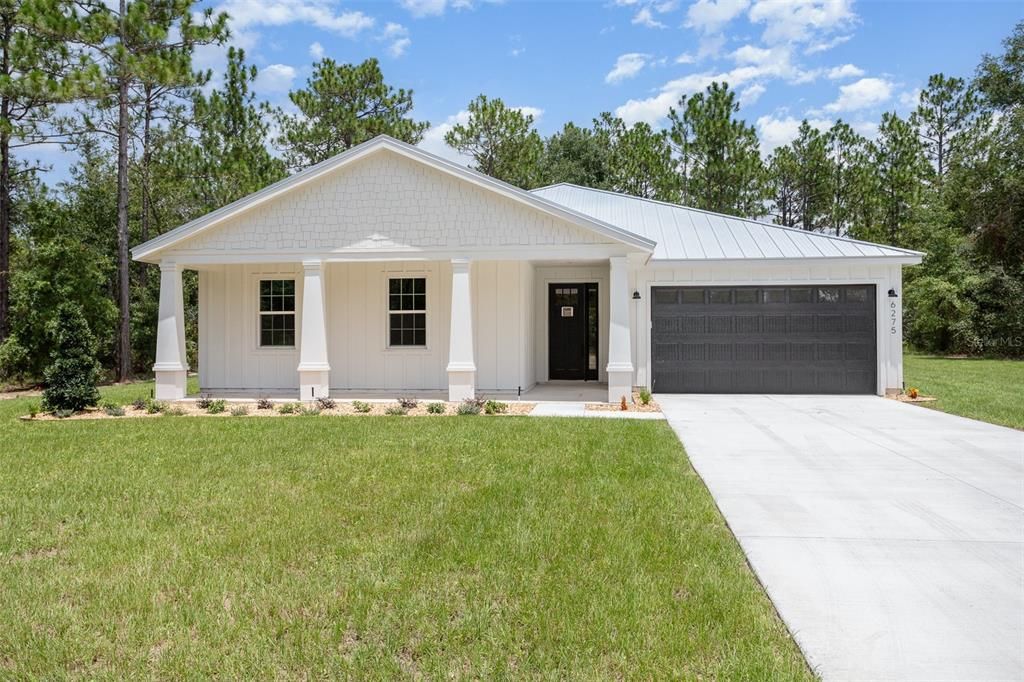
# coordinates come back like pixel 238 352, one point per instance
pixel 171 366
pixel 620 354
pixel 461 367
pixel 314 370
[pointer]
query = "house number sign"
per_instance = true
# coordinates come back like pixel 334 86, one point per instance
pixel 892 317
pixel 567 311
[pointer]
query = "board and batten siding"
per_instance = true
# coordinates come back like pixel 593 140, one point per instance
pixel 889 326
pixel 357 319
pixel 570 274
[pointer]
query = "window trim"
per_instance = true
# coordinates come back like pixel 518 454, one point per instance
pixel 399 348
pixel 275 277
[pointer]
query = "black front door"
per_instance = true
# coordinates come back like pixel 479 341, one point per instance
pixel 572 331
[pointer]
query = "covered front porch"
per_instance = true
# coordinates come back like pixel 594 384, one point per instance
pixel 381 329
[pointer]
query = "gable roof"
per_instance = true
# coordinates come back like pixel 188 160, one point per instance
pixel 684 233
pixel 383 142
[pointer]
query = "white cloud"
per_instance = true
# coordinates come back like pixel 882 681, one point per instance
pixel 685 58
pixel 397 37
pixel 751 94
pixel 868 129
pixel 516 51
pixel 536 112
pixel 316 51
pixel 825 45
pixel 434 8
pixel 275 79
pixel 800 20
pixel 666 6
pixel 910 98
pixel 433 139
pixel 867 92
pixel 845 71
pixel 710 46
pixel 627 66
pixel 246 13
pixel 644 17
pixel 711 15
pixel 775 132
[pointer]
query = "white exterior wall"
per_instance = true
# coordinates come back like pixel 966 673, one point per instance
pixel 356 310
pixel 889 324
pixel 552 274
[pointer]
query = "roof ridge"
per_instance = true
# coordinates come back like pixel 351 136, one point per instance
pixel 786 228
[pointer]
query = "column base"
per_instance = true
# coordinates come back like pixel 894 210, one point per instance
pixel 314 384
pixel 620 384
pixel 170 384
pixel 461 385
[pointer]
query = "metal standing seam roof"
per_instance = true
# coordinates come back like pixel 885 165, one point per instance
pixel 683 233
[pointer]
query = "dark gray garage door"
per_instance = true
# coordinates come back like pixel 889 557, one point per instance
pixel 806 339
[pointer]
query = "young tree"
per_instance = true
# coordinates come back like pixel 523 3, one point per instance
pixel 138 43
pixel 344 105
pixel 501 141
pixel 576 155
pixel 718 155
pixel 945 110
pixel 641 159
pixel 73 372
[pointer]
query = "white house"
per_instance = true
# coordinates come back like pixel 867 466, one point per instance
pixel 387 268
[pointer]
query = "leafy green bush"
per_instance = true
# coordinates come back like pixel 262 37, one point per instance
pixel 361 406
pixel 216 406
pixel 468 407
pixel 73 372
pixel 436 408
pixel 204 401
pixel 155 406
pixel 495 407
pixel 239 411
pixel 287 408
pixel 113 410
pixel 33 409
pixel 309 410
pixel 408 403
pixel 15 360
pixel 396 411
pixel 264 404
pixel 139 404
pixel 645 396
pixel 173 411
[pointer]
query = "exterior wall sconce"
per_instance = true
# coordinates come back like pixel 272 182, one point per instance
pixel 636 295
pixel 892 293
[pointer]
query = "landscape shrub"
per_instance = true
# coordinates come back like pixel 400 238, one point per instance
pixel 287 408
pixel 408 403
pixel 139 404
pixel 173 411
pixel 73 372
pixel 204 401
pixel 216 406
pixel 63 413
pixel 468 407
pixel 326 403
pixel 495 407
pixel 645 396
pixel 113 410
pixel 361 406
pixel 239 411
pixel 436 408
pixel 309 410
pixel 396 411
pixel 264 404
pixel 155 406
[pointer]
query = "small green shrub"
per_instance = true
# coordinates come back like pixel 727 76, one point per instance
pixel 204 401
pixel 216 406
pixel 33 409
pixel 436 408
pixel 309 410
pixel 326 403
pixel 63 413
pixel 495 407
pixel 264 404
pixel 361 406
pixel 139 404
pixel 239 411
pixel 468 407
pixel 645 396
pixel 173 411
pixel 73 372
pixel 396 411
pixel 287 408
pixel 408 403
pixel 113 410
pixel 154 406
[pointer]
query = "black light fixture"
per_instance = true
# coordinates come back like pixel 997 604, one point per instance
pixel 636 295
pixel 892 293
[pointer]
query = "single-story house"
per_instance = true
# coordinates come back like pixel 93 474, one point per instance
pixel 388 268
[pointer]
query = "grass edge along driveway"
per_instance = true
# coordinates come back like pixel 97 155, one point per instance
pixel 370 548
pixel 979 388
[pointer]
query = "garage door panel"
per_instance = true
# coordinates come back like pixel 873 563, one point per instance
pixel 804 339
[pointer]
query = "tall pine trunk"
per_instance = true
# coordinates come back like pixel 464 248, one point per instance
pixel 124 340
pixel 5 193
pixel 144 236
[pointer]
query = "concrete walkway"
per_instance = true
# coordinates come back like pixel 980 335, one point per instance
pixel 568 409
pixel 890 537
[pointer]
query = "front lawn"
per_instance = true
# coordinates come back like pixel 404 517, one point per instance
pixel 369 548
pixel 989 390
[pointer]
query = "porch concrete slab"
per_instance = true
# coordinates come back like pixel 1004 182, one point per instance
pixel 889 536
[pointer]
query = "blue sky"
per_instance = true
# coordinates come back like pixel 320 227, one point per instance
pixel 568 61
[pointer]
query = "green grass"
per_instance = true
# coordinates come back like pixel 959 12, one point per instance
pixel 989 390
pixel 369 548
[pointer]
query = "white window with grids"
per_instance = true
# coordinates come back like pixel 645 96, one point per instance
pixel 407 312
pixel 277 313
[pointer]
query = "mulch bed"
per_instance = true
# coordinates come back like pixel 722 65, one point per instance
pixel 635 406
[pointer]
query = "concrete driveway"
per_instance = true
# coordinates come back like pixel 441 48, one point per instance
pixel 890 537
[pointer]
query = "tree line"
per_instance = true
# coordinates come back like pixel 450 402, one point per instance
pixel 157 143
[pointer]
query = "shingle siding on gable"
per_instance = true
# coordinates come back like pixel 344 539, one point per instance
pixel 388 202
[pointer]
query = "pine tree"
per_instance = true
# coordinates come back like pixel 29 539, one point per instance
pixel 344 105
pixel 641 159
pixel 945 110
pixel 576 155
pixel 810 150
pixel 784 185
pixel 849 168
pixel 901 166
pixel 501 141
